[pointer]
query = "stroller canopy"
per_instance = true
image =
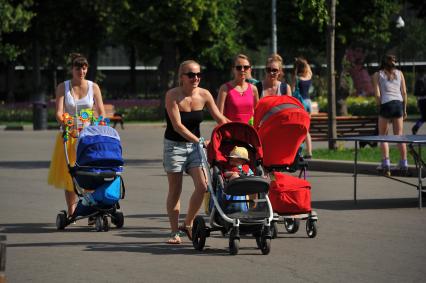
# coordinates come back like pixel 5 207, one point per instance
pixel 282 124
pixel 99 146
pixel 226 136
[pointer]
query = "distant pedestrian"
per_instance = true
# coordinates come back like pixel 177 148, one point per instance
pixel 238 98
pixel 273 84
pixel 391 97
pixel 420 94
pixel 301 83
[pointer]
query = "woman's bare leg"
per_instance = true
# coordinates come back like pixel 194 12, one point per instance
pixel 383 130
pixel 197 196
pixel 308 141
pixel 71 200
pixel 173 199
pixel 398 130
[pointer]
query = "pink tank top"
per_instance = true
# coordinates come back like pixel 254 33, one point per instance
pixel 239 107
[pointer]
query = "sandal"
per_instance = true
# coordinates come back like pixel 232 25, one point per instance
pixel 187 229
pixel 175 238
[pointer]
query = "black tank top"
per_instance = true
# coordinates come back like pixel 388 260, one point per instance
pixel 191 120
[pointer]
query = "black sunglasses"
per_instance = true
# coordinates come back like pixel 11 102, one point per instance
pixel 240 67
pixel 270 70
pixel 192 75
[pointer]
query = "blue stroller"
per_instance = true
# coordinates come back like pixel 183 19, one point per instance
pixel 97 179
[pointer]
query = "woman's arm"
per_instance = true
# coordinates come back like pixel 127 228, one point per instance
pixel 404 94
pixel 213 109
pixel 174 115
pixel 221 97
pixel 289 90
pixel 255 96
pixel 376 89
pixel 59 102
pixel 98 100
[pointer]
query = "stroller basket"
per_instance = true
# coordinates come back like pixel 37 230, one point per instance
pixel 246 185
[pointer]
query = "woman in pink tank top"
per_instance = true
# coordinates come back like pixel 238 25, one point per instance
pixel 238 98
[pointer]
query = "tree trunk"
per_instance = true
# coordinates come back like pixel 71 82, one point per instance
pixel 39 97
pixel 167 70
pixel 332 132
pixel 343 88
pixel 93 63
pixel 10 82
pixel 132 61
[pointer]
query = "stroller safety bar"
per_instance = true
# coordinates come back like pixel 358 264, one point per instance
pixel 245 185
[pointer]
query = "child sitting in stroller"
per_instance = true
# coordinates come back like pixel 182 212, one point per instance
pixel 237 164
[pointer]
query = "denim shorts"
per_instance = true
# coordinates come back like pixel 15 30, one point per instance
pixel 308 104
pixel 180 156
pixel 392 109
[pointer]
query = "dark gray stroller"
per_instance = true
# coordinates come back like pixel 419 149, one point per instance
pixel 230 209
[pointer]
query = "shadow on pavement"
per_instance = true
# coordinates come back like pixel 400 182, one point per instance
pixel 366 204
pixel 24 164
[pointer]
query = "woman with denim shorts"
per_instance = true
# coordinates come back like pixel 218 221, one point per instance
pixel 391 98
pixel 184 113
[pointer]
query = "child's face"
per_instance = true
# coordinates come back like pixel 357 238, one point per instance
pixel 236 161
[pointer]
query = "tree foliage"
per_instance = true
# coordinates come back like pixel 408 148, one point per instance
pixel 15 17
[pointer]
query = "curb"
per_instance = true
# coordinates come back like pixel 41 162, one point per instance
pixel 367 168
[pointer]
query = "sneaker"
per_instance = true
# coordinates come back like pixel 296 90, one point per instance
pixel 384 169
pixel 414 129
pixel 308 156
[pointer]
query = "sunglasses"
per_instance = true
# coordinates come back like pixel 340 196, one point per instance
pixel 240 67
pixel 192 75
pixel 271 71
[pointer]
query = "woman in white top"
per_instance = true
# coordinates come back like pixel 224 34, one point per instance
pixel 391 97
pixel 272 84
pixel 72 96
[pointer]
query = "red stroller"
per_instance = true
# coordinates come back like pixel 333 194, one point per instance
pixel 231 210
pixel 282 124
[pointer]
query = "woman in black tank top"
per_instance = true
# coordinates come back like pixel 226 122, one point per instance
pixel 184 113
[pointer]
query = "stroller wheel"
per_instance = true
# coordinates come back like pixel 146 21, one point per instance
pixel 274 229
pixel 199 233
pixel 291 225
pixel 61 220
pixel 265 245
pixel 99 223
pixel 117 219
pixel 311 228
pixel 105 224
pixel 234 245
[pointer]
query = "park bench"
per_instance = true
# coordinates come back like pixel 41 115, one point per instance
pixel 113 116
pixel 345 126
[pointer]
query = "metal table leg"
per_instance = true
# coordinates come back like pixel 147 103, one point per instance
pixel 355 170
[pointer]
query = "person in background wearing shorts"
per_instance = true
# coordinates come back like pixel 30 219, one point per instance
pixel 184 113
pixel 391 97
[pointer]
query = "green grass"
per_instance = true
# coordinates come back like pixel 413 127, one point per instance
pixel 366 154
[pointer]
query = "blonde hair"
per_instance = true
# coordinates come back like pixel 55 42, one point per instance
pixel 241 56
pixel 275 58
pixel 78 60
pixel 182 67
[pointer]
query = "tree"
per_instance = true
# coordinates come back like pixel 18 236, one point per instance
pixel 15 20
pixel 200 29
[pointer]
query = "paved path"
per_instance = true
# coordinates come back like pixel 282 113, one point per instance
pixel 379 240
